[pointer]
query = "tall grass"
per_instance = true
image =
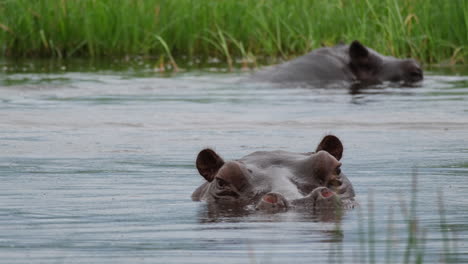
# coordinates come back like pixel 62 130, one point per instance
pixel 430 30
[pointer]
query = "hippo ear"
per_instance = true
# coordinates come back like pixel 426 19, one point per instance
pixel 358 52
pixel 332 145
pixel 208 164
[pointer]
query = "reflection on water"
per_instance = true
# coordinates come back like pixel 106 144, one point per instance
pixel 215 213
pixel 97 166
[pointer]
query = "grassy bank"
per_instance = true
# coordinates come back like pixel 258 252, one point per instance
pixel 432 31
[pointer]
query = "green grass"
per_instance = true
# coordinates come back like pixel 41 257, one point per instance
pixel 241 31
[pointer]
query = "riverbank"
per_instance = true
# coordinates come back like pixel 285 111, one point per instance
pixel 231 31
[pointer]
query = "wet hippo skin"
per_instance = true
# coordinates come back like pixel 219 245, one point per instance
pixel 277 180
pixel 352 63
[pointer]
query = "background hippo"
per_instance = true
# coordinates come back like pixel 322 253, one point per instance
pixel 276 180
pixel 349 63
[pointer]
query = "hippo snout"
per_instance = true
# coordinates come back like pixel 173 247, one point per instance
pixel 272 202
pixel 413 72
pixel 326 193
pixel 326 199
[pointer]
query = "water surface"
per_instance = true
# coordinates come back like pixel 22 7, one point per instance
pixel 97 166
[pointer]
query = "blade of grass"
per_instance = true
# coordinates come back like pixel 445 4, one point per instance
pixel 168 52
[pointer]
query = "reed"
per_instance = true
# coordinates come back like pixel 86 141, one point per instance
pixel 433 31
pixel 414 238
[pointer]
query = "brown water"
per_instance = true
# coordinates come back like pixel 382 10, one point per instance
pixel 97 166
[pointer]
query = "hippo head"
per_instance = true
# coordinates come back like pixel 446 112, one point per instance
pixel 370 67
pixel 229 182
pixel 275 179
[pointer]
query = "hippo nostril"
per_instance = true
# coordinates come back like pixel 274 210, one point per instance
pixel 269 198
pixel 326 193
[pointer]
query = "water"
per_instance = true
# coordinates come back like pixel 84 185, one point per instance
pixel 97 166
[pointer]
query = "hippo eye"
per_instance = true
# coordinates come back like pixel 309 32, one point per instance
pixel 221 183
pixel 338 170
pixel 249 170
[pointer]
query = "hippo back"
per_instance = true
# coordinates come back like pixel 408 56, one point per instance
pixel 320 66
pixel 343 64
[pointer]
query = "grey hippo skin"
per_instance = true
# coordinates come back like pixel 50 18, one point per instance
pixel 277 180
pixel 352 63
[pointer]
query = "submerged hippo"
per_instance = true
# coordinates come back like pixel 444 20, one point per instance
pixel 353 63
pixel 277 180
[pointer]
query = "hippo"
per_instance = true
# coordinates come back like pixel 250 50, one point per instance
pixel 352 63
pixel 273 181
